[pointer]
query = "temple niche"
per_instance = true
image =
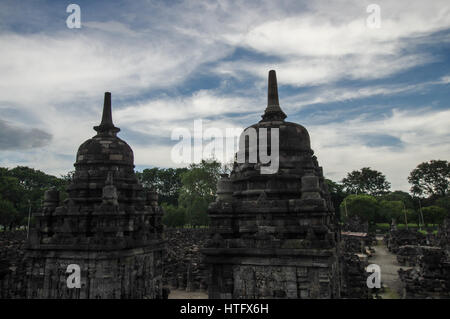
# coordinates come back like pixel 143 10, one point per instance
pixel 274 235
pixel 109 226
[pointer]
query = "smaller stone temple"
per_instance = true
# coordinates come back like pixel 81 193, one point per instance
pixel 274 235
pixel 109 226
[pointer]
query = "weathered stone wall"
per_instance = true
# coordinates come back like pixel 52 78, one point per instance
pixel 286 273
pixel 135 273
pixel 354 276
pixel 354 242
pixel 126 274
pixel 254 281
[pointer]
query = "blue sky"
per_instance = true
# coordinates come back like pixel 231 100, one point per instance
pixel 369 97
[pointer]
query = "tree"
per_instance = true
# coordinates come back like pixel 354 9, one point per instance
pixel 167 182
pixel 196 213
pixel 199 189
pixel 392 210
pixel 25 187
pixel 11 189
pixel 444 202
pixel 433 215
pixel 363 206
pixel 413 216
pixel 173 216
pixel 430 178
pixel 8 213
pixel 401 196
pixel 366 181
pixel 337 193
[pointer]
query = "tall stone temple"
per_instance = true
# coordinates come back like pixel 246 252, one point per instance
pixel 274 235
pixel 109 227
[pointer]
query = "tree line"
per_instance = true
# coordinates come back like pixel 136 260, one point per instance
pixel 185 193
pixel 22 191
pixel 366 193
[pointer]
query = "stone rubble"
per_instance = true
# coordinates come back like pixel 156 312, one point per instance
pixel 431 278
pixel 184 267
pixel 12 272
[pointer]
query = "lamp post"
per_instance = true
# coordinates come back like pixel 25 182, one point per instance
pixel 420 210
pixel 29 217
pixel 404 210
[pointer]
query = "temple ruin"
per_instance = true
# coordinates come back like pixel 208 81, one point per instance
pixel 274 235
pixel 109 226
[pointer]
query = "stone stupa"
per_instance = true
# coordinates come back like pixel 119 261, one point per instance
pixel 274 235
pixel 109 226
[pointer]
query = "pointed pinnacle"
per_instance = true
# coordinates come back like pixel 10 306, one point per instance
pixel 273 111
pixel 107 126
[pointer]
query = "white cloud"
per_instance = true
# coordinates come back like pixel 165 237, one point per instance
pixel 57 77
pixel 424 134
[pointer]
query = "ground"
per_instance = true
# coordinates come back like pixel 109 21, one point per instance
pixel 389 270
pixel 183 294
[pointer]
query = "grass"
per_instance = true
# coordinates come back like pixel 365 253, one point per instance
pixel 386 226
pixel 389 293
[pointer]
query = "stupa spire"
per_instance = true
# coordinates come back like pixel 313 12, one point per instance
pixel 273 110
pixel 107 126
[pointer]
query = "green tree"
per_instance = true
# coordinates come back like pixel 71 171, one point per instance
pixel 198 189
pixel 366 181
pixel 430 178
pixel 11 189
pixel 392 210
pixel 433 215
pixel 196 213
pixel 337 193
pixel 167 182
pixel 364 206
pixel 444 202
pixel 25 187
pixel 173 216
pixel 401 196
pixel 412 216
pixel 8 213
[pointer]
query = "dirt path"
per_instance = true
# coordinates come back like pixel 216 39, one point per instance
pixel 183 294
pixel 389 267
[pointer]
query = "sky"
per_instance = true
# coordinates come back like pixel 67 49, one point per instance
pixel 369 97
